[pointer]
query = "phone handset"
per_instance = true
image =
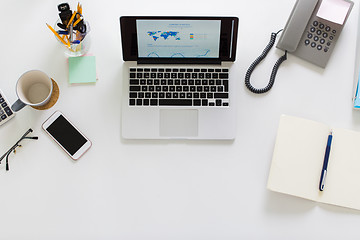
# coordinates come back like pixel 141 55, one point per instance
pixel 296 25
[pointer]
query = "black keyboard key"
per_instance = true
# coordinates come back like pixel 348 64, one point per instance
pixel 134 81
pixel 132 102
pixel 134 88
pixel 221 95
pixel 175 102
pixel 153 102
pixel 132 75
pixel 223 75
pixel 197 102
pixel 204 102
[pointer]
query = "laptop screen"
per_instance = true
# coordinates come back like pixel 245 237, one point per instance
pixel 178 38
pixel 162 39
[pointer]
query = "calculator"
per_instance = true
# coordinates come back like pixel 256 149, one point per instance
pixel 5 110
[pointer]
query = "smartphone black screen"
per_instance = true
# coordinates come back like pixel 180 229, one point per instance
pixel 66 135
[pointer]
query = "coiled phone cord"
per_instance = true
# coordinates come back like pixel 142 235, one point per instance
pixel 258 60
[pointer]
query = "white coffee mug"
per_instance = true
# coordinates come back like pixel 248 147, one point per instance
pixel 33 88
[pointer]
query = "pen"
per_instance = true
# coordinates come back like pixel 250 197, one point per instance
pixel 325 164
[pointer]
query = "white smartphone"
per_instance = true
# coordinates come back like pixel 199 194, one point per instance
pixel 64 133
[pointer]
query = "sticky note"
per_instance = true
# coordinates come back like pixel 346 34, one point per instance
pixel 334 10
pixel 82 69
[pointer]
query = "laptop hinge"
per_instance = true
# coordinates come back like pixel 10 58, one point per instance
pixel 178 61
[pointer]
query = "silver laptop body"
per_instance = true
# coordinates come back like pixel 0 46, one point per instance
pixel 194 51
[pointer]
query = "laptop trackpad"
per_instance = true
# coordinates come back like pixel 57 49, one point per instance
pixel 178 122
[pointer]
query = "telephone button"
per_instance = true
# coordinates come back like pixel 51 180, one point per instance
pixel 327 28
pixel 319 47
pixel 318 32
pixel 315 23
pixel 325 35
pixel 312 29
pixel 307 42
pixel 322 41
pixel 313 44
pixel 310 35
pixel 321 26
pixel 316 38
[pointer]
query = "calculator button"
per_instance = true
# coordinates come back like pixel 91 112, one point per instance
pixel 8 111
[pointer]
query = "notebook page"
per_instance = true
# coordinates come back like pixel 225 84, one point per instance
pixel 298 157
pixel 342 186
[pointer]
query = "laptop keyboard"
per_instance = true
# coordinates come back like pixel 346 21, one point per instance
pixel 179 87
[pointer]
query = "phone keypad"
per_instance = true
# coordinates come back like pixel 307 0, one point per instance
pixel 320 36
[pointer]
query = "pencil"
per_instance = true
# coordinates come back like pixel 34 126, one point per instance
pixel 71 19
pixel 58 36
pixel 77 21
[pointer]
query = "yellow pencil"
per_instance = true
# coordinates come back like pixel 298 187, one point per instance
pixel 58 36
pixel 79 8
pixel 71 19
pixel 77 21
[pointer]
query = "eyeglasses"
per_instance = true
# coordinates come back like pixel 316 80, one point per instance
pixel 13 148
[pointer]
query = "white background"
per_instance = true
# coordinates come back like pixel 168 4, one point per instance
pixel 164 189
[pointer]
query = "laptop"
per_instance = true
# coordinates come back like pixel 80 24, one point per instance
pixel 177 77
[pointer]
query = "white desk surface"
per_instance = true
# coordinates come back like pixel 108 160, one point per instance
pixel 157 190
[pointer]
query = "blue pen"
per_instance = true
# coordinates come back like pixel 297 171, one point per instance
pixel 325 164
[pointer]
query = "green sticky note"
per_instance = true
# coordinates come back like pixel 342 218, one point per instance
pixel 82 69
